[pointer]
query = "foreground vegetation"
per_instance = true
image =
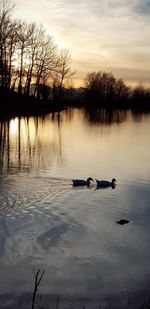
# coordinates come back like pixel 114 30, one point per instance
pixel 132 300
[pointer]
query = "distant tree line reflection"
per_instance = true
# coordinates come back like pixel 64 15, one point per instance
pixel 35 143
pixel 106 116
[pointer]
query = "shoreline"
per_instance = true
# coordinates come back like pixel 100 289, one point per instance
pixel 13 104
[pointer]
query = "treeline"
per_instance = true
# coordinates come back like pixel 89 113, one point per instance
pixel 31 64
pixel 104 89
pixel 30 61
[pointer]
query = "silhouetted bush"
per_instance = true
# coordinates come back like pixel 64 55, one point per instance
pixel 102 87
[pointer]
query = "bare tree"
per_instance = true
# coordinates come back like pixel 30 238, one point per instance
pixel 24 35
pixel 45 63
pixel 61 72
pixel 34 44
pixel 102 86
pixel 93 83
pixel 29 58
pixel 12 42
pixel 122 91
pixel 64 65
pixel 5 29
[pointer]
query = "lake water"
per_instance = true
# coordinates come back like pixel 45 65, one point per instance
pixel 72 232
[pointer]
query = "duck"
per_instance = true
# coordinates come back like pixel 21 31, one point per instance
pixel 106 183
pixel 80 182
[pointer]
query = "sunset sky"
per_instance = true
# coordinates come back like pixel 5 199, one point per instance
pixel 111 35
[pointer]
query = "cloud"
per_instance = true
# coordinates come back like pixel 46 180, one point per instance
pixel 99 33
pixel 143 7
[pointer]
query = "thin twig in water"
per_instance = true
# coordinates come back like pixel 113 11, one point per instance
pixel 38 277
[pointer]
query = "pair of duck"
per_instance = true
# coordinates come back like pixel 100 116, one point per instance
pixel 100 183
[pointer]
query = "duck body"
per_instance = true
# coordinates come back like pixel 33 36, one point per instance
pixel 106 183
pixel 80 182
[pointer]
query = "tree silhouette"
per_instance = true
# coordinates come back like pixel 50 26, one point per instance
pixel 103 87
pixel 30 61
pixel 5 34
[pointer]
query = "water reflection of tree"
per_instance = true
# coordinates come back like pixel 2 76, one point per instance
pixel 2 143
pixel 68 114
pixel 58 119
pixel 105 116
pixel 27 148
pixel 138 115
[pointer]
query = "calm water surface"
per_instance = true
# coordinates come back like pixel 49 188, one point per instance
pixel 71 232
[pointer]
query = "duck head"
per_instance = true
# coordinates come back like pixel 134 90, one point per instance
pixel 113 183
pixel 88 181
